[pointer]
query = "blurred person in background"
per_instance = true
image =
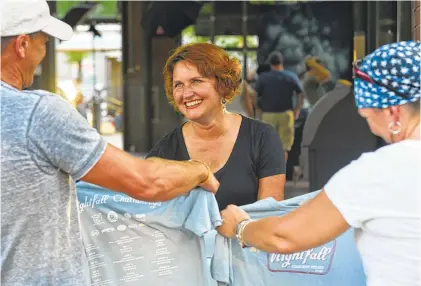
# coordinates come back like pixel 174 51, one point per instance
pixel 245 155
pixel 245 95
pixel 313 79
pixel 242 103
pixel 317 80
pixel 377 194
pixel 80 104
pixel 260 70
pixel 45 146
pixel 118 120
pixel 275 91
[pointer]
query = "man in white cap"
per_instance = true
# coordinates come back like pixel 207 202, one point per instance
pixel 45 146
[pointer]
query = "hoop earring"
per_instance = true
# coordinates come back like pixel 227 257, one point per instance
pixel 394 127
pixel 223 102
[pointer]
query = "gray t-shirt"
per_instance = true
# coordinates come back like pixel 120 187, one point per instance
pixel 45 146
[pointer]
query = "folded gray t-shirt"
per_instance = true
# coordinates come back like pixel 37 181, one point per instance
pixel 45 145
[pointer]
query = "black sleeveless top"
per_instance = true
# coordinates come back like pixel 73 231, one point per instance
pixel 257 153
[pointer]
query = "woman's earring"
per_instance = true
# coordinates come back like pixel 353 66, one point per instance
pixel 394 127
pixel 223 101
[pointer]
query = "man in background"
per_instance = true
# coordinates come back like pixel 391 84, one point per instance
pixel 275 91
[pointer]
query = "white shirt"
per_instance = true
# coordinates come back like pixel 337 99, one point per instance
pixel 379 195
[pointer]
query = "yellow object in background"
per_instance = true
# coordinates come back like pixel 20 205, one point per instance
pixel 345 82
pixel 317 70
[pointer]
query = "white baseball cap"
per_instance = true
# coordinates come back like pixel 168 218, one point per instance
pixel 19 17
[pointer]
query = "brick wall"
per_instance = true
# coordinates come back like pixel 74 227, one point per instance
pixel 416 19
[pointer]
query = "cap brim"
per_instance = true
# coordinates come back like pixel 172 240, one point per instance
pixel 58 29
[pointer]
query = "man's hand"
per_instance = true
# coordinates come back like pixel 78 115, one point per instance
pixel 296 114
pixel 231 217
pixel 211 184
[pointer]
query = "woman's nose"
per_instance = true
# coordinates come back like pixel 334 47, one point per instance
pixel 188 91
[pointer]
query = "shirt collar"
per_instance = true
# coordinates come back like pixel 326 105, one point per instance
pixel 4 84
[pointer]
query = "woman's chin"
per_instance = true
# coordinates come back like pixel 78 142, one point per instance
pixel 193 114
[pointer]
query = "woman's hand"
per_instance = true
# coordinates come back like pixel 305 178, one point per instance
pixel 314 223
pixel 231 217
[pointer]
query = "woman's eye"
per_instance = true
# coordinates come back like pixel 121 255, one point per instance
pixel 177 85
pixel 197 80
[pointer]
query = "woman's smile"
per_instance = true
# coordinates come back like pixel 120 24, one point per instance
pixel 193 104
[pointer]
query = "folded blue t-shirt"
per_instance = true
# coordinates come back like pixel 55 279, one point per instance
pixel 128 241
pixel 334 263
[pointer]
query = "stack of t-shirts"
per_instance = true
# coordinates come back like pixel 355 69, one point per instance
pixel 336 263
pixel 131 242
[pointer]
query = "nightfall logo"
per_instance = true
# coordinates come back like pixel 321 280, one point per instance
pixel 312 261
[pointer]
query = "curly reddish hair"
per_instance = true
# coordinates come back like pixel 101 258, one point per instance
pixel 210 61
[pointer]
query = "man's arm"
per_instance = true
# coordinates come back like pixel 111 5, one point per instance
pixel 153 179
pixel 60 138
pixel 299 105
pixel 299 91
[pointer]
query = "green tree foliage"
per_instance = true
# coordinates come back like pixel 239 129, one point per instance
pixel 104 9
pixel 76 57
pixel 189 36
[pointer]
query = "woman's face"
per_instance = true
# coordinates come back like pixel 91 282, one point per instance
pixel 194 95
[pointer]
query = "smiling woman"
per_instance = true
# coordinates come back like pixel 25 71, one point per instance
pixel 206 61
pixel 245 155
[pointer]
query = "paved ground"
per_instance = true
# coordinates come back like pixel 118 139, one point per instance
pixel 291 189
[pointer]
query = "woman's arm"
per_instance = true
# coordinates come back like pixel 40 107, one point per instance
pixel 272 186
pixel 315 223
pixel 349 198
pixel 270 165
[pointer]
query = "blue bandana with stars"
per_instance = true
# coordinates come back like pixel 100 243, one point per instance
pixel 396 65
